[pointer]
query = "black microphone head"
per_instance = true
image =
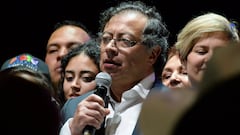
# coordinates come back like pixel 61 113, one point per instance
pixel 103 79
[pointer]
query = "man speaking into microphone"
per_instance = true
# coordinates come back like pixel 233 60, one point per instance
pixel 133 43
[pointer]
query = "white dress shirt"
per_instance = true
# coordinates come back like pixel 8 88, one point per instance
pixel 124 115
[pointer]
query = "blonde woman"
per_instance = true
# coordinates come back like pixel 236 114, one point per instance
pixel 198 39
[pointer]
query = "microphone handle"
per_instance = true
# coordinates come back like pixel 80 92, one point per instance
pixel 89 130
pixel 100 91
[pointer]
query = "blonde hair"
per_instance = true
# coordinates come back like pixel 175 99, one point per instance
pixel 198 26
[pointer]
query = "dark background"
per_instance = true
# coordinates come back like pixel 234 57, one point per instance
pixel 26 25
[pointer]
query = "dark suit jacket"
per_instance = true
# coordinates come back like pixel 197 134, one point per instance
pixel 70 106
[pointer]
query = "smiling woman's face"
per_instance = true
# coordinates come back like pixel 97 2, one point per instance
pixel 201 52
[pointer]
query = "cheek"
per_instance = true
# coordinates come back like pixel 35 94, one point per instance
pixel 48 61
pixel 165 82
pixel 193 60
pixel 88 86
pixel 66 86
pixel 138 58
pixel 185 80
pixel 49 58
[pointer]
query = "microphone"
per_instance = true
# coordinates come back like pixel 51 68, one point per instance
pixel 103 81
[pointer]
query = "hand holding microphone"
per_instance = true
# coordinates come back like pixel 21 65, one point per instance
pixel 103 83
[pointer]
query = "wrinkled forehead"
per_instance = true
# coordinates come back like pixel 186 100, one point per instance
pixel 131 22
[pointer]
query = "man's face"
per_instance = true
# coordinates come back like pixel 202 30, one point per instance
pixel 59 44
pixel 126 65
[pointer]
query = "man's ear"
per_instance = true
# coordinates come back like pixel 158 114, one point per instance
pixel 155 52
